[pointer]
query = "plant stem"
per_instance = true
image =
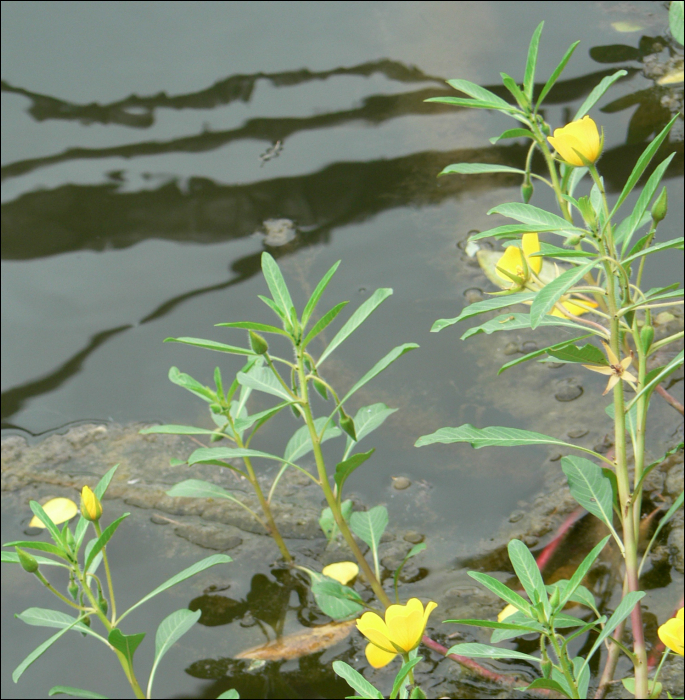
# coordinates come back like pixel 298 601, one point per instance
pixel 328 492
pixel 110 588
pixel 563 660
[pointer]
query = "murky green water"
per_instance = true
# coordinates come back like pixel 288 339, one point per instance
pixel 135 186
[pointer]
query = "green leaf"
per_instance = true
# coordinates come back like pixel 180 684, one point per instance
pixel 513 134
pixel 13 558
pixel 675 20
pixel 356 681
pixel 47 521
pixel 484 651
pixel 346 467
pixel 483 306
pixel 528 214
pixel 673 243
pixel 170 630
pixel 210 345
pixel 263 379
pixel 40 546
pixel 479 169
pixel 529 75
pixel 677 505
pixel 555 74
pixel 182 576
pixel 473 104
pixel 513 322
pixel 125 643
pixel 504 592
pixel 629 683
pixel 517 619
pixel 548 296
pixel 277 286
pixel 324 321
pixel 335 600
pixel 630 600
pixel 488 437
pixel 574 583
pixel 642 163
pixel 417 694
pixel 594 97
pixel 551 251
pixel 657 378
pixel 514 230
pixel 531 626
pixel 589 487
pixel 317 293
pixel 300 443
pixel 196 488
pixel 231 694
pixel 357 318
pixel 176 430
pixel 527 571
pixel 515 90
pixel 368 418
pixel 588 354
pixel 402 674
pixel 249 325
pixel 327 521
pixel 275 308
pixel 548 683
pixel 370 525
pixel 192 385
pixel 640 208
pixel 382 364
pixel 75 692
pixel 477 92
pixel 39 651
pixel 537 353
pixel 43 617
pixel 242 424
pixel 103 539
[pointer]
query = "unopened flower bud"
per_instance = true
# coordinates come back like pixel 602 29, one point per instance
pixel 28 563
pixel 546 668
pixel 526 191
pixel 554 599
pixel 347 424
pixel 91 508
pixel 660 208
pixel 258 344
pixel 216 437
pixel 646 337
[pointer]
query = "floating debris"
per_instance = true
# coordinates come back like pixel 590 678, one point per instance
pixel 272 152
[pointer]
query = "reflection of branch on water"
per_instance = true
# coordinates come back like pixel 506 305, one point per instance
pixel 14 399
pixel 375 109
pixel 223 92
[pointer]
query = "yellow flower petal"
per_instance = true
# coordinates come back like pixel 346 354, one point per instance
pixel 531 244
pixel 378 657
pixel 601 369
pixel 91 508
pixel 572 308
pixel 671 633
pixel 581 136
pixel 512 259
pixel 375 630
pixel 506 612
pixel 613 360
pixel 406 628
pixel 342 571
pixel 59 509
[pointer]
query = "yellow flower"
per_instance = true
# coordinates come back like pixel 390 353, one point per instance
pixel 572 307
pixel 671 633
pixel 91 508
pixel 617 370
pixel 519 263
pixel 398 634
pixel 577 141
pixel 342 571
pixel 59 509
pixel 506 611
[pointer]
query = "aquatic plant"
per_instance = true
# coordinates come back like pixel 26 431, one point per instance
pixel 603 275
pixel 86 594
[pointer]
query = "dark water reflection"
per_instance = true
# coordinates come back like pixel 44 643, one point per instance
pixel 134 206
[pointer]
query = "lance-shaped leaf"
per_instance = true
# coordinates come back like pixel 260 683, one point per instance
pixel 571 353
pixel 44 617
pixel 551 293
pixel 382 364
pixel 400 678
pixel 656 377
pixel 515 90
pixel 192 385
pixel 277 286
pixel 552 251
pixel 529 75
pixel 572 586
pixel 642 163
pixel 478 169
pixel 513 322
pixel 481 307
pixel 211 345
pixel 513 230
pixel 47 521
pixel 75 692
pixel 300 443
pixel 357 318
pixel 474 104
pixel 487 652
pixel 555 74
pixel 317 293
pixel 175 430
pixel 263 379
pixel 170 630
pixel 251 326
pixel 478 92
pixel 589 487
pixel 369 526
pixel 512 134
pixel 527 571
pixel 542 351
pixel 665 245
pixel 242 424
pixel 345 468
pixel 196 488
pixel 13 558
pixel 356 681
pixel 528 214
pixel 366 420
pixel 597 93
pixel 35 544
pixel 323 322
pixel 181 576
pixel 103 539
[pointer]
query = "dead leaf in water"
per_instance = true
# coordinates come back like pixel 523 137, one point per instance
pixel 293 646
